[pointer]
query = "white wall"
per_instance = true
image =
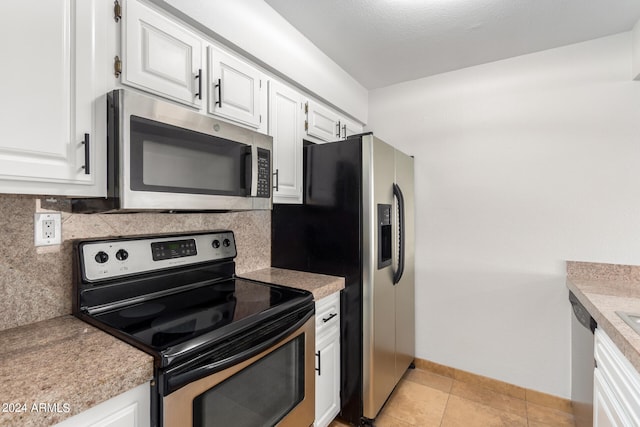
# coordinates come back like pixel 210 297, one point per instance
pixel 258 30
pixel 520 165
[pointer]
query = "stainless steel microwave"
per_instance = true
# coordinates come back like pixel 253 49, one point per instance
pixel 164 157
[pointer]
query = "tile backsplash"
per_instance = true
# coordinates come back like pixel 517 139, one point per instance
pixel 36 283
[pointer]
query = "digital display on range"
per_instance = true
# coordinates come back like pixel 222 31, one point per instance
pixel 173 249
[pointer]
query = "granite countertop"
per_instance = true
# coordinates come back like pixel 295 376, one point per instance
pixel 67 363
pixel 320 285
pixel 604 289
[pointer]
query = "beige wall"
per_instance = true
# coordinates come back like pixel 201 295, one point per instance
pixel 520 165
pixel 36 283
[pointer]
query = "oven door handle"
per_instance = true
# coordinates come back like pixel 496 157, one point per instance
pixel 176 379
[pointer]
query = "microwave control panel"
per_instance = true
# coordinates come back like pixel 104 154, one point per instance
pixel 264 173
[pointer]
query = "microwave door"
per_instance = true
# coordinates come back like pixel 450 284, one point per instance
pixel 175 168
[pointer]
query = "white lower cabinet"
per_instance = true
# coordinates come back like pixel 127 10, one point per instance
pixel 327 359
pixel 616 394
pixel 606 409
pixel 129 409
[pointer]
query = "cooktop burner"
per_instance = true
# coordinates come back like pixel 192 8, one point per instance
pixel 142 310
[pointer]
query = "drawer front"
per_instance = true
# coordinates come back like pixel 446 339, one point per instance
pixel 620 375
pixel 328 313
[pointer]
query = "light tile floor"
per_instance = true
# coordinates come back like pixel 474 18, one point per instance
pixel 425 399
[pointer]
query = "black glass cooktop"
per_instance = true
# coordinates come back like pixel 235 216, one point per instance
pixel 174 319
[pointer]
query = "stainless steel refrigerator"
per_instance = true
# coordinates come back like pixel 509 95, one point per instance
pixel 357 221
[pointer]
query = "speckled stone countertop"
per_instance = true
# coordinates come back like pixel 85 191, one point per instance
pixel 320 285
pixel 604 289
pixel 64 361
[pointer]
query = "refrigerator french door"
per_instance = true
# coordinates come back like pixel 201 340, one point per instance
pixel 357 221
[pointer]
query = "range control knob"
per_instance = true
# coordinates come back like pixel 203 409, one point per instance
pixel 216 243
pixel 102 257
pixel 121 255
pixel 226 243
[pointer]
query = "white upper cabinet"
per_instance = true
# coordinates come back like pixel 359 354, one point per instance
pixel 161 56
pixel 50 97
pixel 285 126
pixel 321 122
pixel 236 89
pixel 349 127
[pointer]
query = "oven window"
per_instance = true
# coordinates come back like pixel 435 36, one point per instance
pixel 259 395
pixel 167 158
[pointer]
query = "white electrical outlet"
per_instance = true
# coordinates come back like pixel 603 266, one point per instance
pixel 47 229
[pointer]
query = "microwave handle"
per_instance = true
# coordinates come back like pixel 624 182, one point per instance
pixel 251 171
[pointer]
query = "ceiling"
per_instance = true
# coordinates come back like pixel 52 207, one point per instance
pixel 382 42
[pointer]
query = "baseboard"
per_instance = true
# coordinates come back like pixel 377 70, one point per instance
pixel 512 390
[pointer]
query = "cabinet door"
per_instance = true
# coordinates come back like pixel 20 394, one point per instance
pixel 235 89
pixel 606 409
pixel 161 56
pixel 328 314
pixel 285 126
pixel 327 377
pixel 129 409
pixel 322 123
pixel 48 97
pixel 348 128
pixel 619 375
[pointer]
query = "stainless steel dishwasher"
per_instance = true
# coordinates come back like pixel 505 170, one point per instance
pixel 582 363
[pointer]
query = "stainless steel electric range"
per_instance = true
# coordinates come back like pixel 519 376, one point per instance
pixel 227 351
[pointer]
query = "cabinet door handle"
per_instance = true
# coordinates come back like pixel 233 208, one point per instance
pixel 319 368
pixel 276 174
pixel 331 316
pixel 338 129
pixel 219 87
pixel 199 78
pixel 87 154
pixel 344 131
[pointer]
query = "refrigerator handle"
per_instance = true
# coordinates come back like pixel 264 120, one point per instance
pixel 397 192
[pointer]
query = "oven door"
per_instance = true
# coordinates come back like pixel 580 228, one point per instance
pixel 274 387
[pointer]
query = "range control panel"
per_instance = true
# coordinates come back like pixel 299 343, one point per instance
pixel 111 258
pixel 173 249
